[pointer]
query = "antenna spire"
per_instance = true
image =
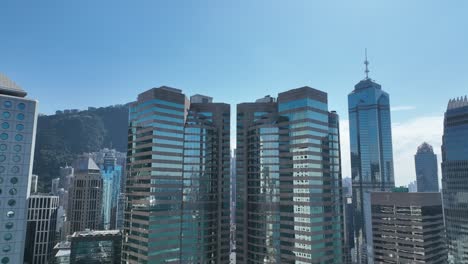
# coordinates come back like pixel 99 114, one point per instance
pixel 366 62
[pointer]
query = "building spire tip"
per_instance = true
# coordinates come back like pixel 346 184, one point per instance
pixel 366 62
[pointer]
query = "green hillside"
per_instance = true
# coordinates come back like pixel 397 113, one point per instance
pixel 62 137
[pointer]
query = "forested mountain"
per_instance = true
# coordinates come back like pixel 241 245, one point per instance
pixel 62 137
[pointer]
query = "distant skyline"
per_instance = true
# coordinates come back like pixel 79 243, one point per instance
pixel 99 53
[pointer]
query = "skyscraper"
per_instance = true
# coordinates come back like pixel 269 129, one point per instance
pixel 66 175
pixel 289 196
pixel 371 150
pixel 177 189
pixel 111 176
pixel 55 186
pixel 455 178
pixel 426 169
pixel 85 196
pixel 405 228
pixel 42 219
pixel 17 138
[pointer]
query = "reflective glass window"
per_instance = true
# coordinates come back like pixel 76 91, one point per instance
pixel 7 104
pixel 21 106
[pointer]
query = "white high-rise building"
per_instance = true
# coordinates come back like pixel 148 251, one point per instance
pixel 18 119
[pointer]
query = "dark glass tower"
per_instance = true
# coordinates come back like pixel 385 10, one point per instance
pixel 289 196
pixel 177 189
pixel 426 169
pixel 371 151
pixel 455 179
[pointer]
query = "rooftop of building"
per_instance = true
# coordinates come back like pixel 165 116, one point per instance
pixel 170 89
pixel 95 233
pixel 9 87
pixel 266 99
pixel 367 83
pixel 85 163
pixel 63 253
pixel 199 98
pixel 405 198
pixel 425 148
pixel 43 195
pixel 63 245
pixel 457 103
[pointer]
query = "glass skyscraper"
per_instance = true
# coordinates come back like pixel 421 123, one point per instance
pixel 18 118
pixel 288 190
pixel 111 175
pixel 371 152
pixel 455 179
pixel 426 169
pixel 177 185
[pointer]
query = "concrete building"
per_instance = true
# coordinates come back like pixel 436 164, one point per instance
pixel 233 202
pixel 89 247
pixel 18 120
pixel 405 228
pixel 41 228
pixel 426 169
pixel 289 190
pixel 34 180
pixel 55 186
pixel 455 178
pixel 349 218
pixel 371 148
pixel 177 191
pixel 413 186
pixel 66 175
pixel 61 253
pixel 85 197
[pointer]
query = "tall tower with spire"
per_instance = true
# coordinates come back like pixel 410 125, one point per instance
pixel 371 152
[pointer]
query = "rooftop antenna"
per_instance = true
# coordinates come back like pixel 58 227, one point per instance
pixel 366 62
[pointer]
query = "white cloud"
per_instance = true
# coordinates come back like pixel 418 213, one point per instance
pixel 402 108
pixel 406 136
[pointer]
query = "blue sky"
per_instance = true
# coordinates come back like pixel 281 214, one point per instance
pixel 74 54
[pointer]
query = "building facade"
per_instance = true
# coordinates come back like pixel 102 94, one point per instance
pixel 289 206
pixel 177 187
pixel 41 228
pixel 111 176
pixel 455 178
pixel 55 186
pixel 405 228
pixel 371 152
pixel 34 180
pixel 66 175
pixel 426 169
pixel 17 139
pixel 85 197
pixel 89 247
